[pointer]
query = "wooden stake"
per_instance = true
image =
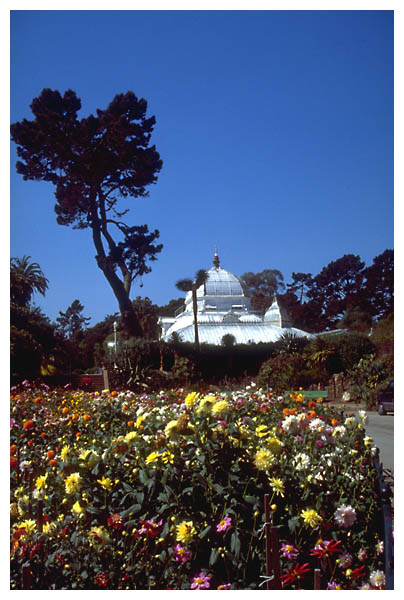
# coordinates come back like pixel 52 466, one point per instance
pixel 317 579
pixel 268 548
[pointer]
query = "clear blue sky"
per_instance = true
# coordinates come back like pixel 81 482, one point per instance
pixel 275 129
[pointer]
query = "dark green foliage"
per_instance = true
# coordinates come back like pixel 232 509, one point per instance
pixel 262 287
pixel 72 323
pixel 170 309
pixel 93 162
pixel 351 347
pixel 282 372
pixel 26 278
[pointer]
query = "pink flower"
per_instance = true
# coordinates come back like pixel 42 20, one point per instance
pixel 200 582
pixel 224 524
pixel 181 554
pixel 289 551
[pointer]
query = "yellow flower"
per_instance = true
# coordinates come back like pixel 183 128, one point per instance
pixel 130 437
pixel 41 481
pixel 185 532
pixel 98 536
pixel 78 510
pixel 73 483
pixel 167 457
pixel 49 528
pixel 139 420
pixel 64 453
pixel 153 456
pixel 170 430
pixel 191 398
pixel 262 431
pixel 264 459
pixel 274 445
pixel 311 517
pixel 278 486
pixel 84 454
pixel 205 404
pixel 220 408
pixel 29 526
pixel 105 483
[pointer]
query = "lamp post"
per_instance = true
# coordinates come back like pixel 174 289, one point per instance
pixel 115 326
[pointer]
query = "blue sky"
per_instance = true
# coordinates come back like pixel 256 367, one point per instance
pixel 275 129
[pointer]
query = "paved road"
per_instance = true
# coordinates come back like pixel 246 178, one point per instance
pixel 381 429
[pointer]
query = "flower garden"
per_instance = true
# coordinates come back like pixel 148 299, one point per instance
pixel 162 491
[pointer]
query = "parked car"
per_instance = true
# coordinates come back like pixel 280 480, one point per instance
pixel 385 399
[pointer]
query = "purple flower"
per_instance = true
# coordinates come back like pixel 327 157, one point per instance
pixel 319 444
pixel 224 524
pixel 181 554
pixel 289 551
pixel 200 582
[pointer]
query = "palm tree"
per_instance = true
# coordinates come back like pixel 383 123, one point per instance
pixel 189 285
pixel 26 278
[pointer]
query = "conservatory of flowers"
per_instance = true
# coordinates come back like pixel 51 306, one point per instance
pixel 225 309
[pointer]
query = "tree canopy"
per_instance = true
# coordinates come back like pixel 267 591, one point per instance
pixel 93 163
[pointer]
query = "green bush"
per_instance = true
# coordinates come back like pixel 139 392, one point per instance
pixel 282 372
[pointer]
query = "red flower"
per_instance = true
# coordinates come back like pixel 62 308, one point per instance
pixel 101 579
pixel 324 548
pixel 149 528
pixel 358 573
pixel 115 521
pixel 296 573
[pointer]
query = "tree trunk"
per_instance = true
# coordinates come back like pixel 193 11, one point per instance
pixel 129 319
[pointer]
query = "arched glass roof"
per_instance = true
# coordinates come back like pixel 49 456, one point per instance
pixel 222 283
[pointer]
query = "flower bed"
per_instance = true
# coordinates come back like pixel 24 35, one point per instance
pixel 166 491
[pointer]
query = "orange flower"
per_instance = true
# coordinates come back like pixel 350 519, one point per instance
pixel 13 449
pixel 30 443
pixel 130 423
pixel 311 414
pixel 51 454
pixel 75 416
pixel 53 462
pixel 65 410
pixel 86 417
pixel 335 422
pixel 78 434
pixel 37 400
pixel 13 462
pixel 113 394
pixel 29 424
pixel 43 435
pixel 311 404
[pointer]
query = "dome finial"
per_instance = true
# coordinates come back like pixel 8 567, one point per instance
pixel 216 262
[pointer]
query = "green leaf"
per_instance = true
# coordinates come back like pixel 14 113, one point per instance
pixel 214 555
pixel 293 523
pixel 205 532
pixel 250 499
pixel 135 508
pixel 235 544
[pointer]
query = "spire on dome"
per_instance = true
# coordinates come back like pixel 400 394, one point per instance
pixel 216 262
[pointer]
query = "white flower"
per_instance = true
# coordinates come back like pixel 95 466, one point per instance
pixel 362 416
pixel 301 461
pixel 377 579
pixel 316 425
pixel 290 423
pixel 345 515
pixel 339 432
pixel 350 422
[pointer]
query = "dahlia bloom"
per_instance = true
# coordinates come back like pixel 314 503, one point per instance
pixel 224 524
pixel 200 582
pixel 345 516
